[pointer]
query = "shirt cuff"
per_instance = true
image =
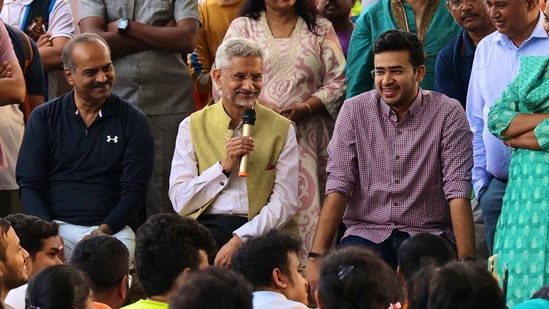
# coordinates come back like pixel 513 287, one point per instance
pixel 246 231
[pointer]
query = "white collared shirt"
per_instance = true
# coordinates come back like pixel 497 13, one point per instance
pixel 189 191
pixel 16 297
pixel 273 300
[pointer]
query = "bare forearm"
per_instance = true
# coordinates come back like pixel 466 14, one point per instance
pixel 51 58
pixel 527 140
pixel 523 123
pixel 120 45
pixel 317 107
pixel 178 39
pixel 35 101
pixel 12 89
pixel 462 221
pixel 330 216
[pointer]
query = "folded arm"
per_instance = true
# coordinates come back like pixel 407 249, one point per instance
pixel 119 44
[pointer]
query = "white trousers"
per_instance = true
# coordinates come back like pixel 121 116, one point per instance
pixel 72 234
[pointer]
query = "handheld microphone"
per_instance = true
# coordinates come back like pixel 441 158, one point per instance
pixel 248 121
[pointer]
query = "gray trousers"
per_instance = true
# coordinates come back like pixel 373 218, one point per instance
pixel 164 131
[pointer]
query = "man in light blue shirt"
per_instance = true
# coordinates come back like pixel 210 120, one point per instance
pixel 519 25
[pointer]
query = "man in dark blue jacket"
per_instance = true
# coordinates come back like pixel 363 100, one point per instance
pixel 86 156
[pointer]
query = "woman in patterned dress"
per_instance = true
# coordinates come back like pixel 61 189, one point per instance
pixel 521 119
pixel 304 80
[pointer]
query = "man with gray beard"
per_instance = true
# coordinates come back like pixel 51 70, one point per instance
pixel 204 180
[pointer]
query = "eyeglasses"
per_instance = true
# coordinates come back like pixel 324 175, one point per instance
pixel 395 72
pixel 130 279
pixel 241 77
pixel 456 4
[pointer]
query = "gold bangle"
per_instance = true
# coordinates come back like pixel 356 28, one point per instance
pixel 309 107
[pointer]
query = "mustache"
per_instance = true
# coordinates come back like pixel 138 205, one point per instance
pixel 467 15
pixel 108 82
pixel 246 92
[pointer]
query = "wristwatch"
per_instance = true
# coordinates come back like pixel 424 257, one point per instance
pixel 122 25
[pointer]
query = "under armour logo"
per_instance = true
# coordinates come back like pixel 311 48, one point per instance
pixel 112 139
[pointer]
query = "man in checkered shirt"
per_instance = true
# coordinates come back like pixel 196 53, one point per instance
pixel 400 162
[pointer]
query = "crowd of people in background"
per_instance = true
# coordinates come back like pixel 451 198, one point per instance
pixel 294 154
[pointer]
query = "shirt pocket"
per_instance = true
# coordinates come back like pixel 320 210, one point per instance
pixel 117 9
pixel 162 4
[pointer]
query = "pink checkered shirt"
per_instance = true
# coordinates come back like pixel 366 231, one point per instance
pixel 400 175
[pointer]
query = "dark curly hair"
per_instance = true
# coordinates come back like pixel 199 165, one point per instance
pixel 32 231
pixel 303 8
pixel 165 245
pixel 260 255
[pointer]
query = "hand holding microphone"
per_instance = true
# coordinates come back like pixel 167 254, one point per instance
pixel 236 148
pixel 248 122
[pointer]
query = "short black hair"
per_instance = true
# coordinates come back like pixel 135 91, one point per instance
pixel 260 255
pixel 103 258
pixel 459 285
pixel 212 288
pixel 398 40
pixel 59 286
pixel 357 278
pixel 4 228
pixel 166 244
pixel 422 250
pixel 32 231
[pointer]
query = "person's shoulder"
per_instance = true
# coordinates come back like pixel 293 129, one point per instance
pixel 145 304
pixel 323 23
pixel 440 102
pixel 209 5
pixel 55 105
pixel 451 48
pixel 242 20
pixel 488 42
pixel 363 100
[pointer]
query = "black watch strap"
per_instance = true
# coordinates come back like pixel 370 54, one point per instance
pixel 315 255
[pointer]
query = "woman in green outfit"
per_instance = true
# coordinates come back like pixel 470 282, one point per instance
pixel 521 118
